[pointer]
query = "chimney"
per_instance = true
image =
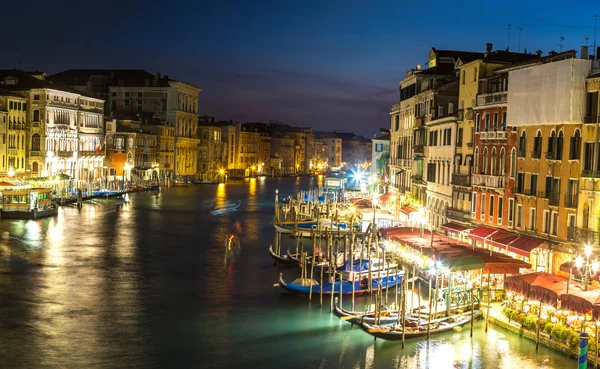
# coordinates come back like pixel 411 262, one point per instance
pixel 488 48
pixel 539 53
pixel 584 53
pixel 157 75
pixel 552 53
pixel 525 52
pixel 597 51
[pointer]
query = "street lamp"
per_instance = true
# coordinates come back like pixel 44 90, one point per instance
pixel 222 173
pixel 125 169
pixel 11 172
pixel 589 269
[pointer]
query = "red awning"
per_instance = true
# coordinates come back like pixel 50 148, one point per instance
pixel 385 197
pixel 407 209
pixel 482 232
pixel 454 228
pixel 525 244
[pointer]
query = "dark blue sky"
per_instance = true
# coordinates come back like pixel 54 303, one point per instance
pixel 332 66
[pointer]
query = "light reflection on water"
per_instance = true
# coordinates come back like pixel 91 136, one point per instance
pixel 148 285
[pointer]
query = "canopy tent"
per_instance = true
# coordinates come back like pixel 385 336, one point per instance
pixel 582 302
pixel 455 228
pixel 408 210
pixel 512 242
pixel 522 283
pixel 571 268
pixel 383 198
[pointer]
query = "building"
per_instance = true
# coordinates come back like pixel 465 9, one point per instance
pixel 211 156
pixel 131 154
pixel 165 151
pixel 333 151
pixel 380 154
pixel 284 148
pixel 249 143
pixel 14 132
pixel 61 123
pixel 137 91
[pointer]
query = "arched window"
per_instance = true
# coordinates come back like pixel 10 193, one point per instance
pixel 34 167
pixel 523 144
pixel 552 145
pixel 493 162
pixel 513 162
pixel 485 161
pixel 502 161
pixel 476 165
pixel 537 145
pixel 35 142
pixel 36 115
pixel 559 145
pixel 575 146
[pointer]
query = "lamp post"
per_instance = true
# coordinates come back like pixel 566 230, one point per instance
pixel 127 168
pixel 421 220
pixel 588 269
pixel 222 175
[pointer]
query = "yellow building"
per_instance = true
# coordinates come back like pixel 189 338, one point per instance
pixel 14 157
pixel 546 112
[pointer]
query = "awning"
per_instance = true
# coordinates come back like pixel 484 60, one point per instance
pixel 454 228
pixel 407 209
pixel 385 197
pixel 482 232
pixel 525 244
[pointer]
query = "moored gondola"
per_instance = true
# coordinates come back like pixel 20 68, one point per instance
pixel 283 260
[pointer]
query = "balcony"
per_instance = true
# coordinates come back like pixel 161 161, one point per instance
pixel 419 149
pixel 571 201
pixel 551 155
pixel 590 173
pixel 591 119
pixel 494 135
pixel 461 179
pixel 536 154
pixel 458 214
pixel 553 199
pixel 35 153
pixel 88 153
pixel 419 121
pixel 12 151
pixel 490 181
pixel 493 98
pixel 583 236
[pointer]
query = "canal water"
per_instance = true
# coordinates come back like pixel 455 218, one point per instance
pixel 149 284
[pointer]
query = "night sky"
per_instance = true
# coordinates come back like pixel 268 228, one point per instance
pixel 332 67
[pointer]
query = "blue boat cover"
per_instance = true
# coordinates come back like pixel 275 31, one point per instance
pixel 357 266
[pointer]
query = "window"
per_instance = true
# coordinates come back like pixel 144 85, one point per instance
pixel 474 203
pixel 495 121
pixel 546 228
pixel 378 147
pixel 571 220
pixel 450 108
pixel 10 105
pixel 464 77
pixel 477 122
pixel 126 103
pixel 504 121
pixel 475 75
pixel 513 163
pixel 522 144
pixel 113 94
pixel 519 215
pixel 487 122
pixel 113 105
pixel 559 145
pixel 511 208
pixel 588 156
pixel 126 94
pixel 575 146
pixel 554 224
pixel 36 97
pixel 35 142
pixel 533 185
pixel 36 115
pixel 502 161
pixel 485 161
pixel 139 94
pixel 491 208
pixel 500 210
pixel 537 145
pixel 476 165
pixel 532 219
pixel 482 215
pixel 459 137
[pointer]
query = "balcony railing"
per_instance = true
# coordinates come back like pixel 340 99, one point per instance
pixel 536 154
pixel 34 153
pixel 553 199
pixel 551 155
pixel 419 149
pixel 583 236
pixel 571 200
pixel 492 98
pixel 520 154
pixel 458 214
pixel 418 179
pixel 487 180
pixel 493 135
pixel 461 179
pixel 590 173
pixel 591 119
pixel 12 151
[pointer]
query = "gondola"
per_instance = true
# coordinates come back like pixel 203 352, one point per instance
pixel 414 330
pixel 355 317
pixel 283 260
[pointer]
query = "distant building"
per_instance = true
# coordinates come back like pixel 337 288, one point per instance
pixel 380 154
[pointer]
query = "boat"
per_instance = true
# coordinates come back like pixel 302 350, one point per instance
pixel 352 280
pixel 180 183
pixel 388 316
pixel 204 181
pixel 307 228
pixel 29 203
pixel 320 265
pixel 418 329
pixel 225 208
pixel 283 260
